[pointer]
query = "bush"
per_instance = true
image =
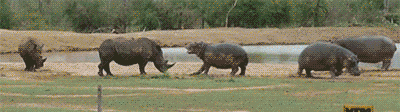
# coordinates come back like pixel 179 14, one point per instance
pixel 86 16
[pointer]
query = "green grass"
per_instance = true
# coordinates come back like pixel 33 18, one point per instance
pixel 35 109
pixel 302 95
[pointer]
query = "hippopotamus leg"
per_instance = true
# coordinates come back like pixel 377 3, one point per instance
pixel 300 71
pixel 205 67
pixel 234 70
pixel 308 72
pixel 242 70
pixel 142 66
pixel 335 72
pixel 386 63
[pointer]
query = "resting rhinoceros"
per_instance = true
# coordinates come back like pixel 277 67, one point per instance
pixel 131 51
pixel 323 56
pixel 30 51
pixel 371 49
pixel 223 56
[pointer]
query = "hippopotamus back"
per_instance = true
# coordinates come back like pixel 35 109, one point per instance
pixel 371 49
pixel 323 56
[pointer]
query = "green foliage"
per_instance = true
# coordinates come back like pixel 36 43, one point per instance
pixel 5 15
pixel 137 15
pixel 86 15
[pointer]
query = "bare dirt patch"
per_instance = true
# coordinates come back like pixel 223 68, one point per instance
pixel 314 93
pixel 14 71
pixel 70 41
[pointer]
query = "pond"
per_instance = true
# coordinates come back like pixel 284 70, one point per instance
pixel 287 54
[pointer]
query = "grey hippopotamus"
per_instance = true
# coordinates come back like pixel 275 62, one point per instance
pixel 324 56
pixel 30 50
pixel 371 49
pixel 131 51
pixel 222 56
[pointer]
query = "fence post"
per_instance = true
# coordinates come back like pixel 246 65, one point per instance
pixel 99 90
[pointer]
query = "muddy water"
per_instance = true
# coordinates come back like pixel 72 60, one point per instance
pixel 257 54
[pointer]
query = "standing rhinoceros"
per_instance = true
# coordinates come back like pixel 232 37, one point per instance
pixel 371 49
pixel 30 51
pixel 131 51
pixel 323 56
pixel 223 56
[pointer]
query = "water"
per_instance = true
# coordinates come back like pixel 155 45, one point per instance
pixel 258 54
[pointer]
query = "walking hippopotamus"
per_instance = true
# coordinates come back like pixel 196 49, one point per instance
pixel 30 50
pixel 223 56
pixel 371 49
pixel 131 51
pixel 324 56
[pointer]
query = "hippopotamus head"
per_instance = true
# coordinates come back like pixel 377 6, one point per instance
pixel 196 48
pixel 351 64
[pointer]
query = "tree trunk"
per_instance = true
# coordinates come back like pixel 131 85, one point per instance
pixel 227 15
pixel 40 6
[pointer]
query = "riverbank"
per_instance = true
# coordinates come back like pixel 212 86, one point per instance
pixel 59 41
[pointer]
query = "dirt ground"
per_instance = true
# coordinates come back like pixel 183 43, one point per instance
pixel 14 71
pixel 61 40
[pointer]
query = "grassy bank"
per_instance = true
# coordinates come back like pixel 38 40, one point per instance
pixel 198 94
pixel 69 41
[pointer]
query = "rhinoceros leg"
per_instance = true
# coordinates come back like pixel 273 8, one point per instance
pixel 106 67
pixel 142 66
pixel 26 64
pixel 30 64
pixel 386 63
pixel 206 69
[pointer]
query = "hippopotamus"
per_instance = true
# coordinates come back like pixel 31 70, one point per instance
pixel 30 50
pixel 222 56
pixel 131 51
pixel 371 49
pixel 324 56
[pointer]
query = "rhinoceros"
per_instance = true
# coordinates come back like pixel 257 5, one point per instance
pixel 30 51
pixel 323 56
pixel 371 49
pixel 131 51
pixel 223 56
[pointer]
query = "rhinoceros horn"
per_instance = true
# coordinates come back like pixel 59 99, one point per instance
pixel 169 66
pixel 40 47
